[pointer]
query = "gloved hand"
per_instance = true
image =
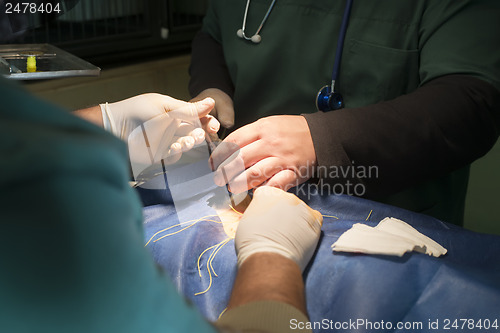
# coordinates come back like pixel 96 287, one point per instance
pixel 187 120
pixel 223 110
pixel 122 117
pixel 279 222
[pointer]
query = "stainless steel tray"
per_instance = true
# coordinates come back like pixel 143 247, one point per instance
pixel 51 62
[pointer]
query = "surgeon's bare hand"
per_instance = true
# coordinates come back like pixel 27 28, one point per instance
pixel 223 110
pixel 275 151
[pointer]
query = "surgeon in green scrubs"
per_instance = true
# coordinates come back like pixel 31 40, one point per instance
pixel 72 245
pixel 420 82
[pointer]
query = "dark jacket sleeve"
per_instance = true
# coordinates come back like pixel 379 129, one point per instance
pixel 208 67
pixel 442 126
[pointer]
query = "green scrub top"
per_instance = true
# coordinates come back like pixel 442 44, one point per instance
pixel 71 243
pixel 391 48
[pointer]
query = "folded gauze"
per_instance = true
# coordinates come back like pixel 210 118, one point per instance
pixel 390 237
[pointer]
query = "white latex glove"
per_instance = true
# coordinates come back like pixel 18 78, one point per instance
pixel 279 222
pixel 224 108
pixel 122 117
pixel 158 129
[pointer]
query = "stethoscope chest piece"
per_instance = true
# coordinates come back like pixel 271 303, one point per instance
pixel 328 100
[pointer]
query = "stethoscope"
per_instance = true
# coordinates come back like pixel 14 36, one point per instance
pixel 256 37
pixel 327 99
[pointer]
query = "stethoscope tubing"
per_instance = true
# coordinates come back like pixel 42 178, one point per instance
pixel 327 99
pixel 243 27
pixel 340 42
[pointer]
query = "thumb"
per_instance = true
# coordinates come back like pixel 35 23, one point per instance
pixel 193 111
pixel 204 106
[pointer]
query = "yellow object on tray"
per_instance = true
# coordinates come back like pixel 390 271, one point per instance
pixel 31 64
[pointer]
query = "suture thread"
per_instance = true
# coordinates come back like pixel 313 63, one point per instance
pixel 216 248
